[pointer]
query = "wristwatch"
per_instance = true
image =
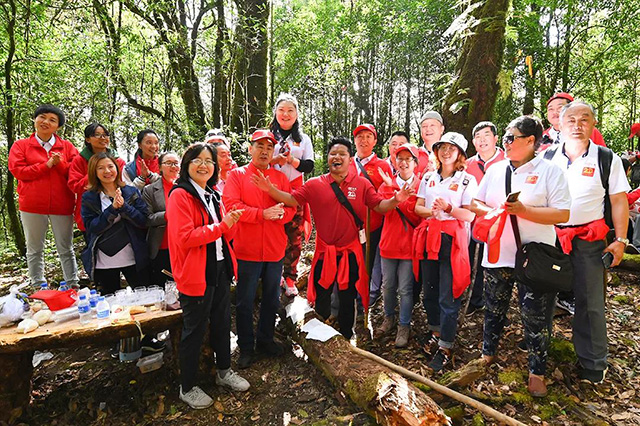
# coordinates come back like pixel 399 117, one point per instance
pixel 622 240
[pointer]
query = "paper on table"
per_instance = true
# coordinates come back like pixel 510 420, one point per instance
pixel 317 330
pixel 298 309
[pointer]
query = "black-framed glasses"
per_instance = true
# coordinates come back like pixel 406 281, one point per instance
pixel 102 136
pixel 508 139
pixel 171 163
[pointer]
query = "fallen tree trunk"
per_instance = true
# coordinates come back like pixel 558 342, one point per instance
pixel 383 394
pixel 630 262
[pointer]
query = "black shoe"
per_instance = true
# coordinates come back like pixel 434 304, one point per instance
pixel 271 349
pixel 152 345
pixel 374 299
pixel 594 376
pixel 245 360
pixel 430 344
pixel 473 309
pixel 440 360
pixel 567 305
pixel 522 346
pixel 114 352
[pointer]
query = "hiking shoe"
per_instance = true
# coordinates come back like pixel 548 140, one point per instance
pixel 567 305
pixel 196 398
pixel 233 381
pixel 430 346
pixel 473 309
pixel 150 344
pixel 245 360
pixel 374 298
pixel 522 346
pixel 387 325
pixel 272 349
pixel 290 289
pixel 594 376
pixel 537 388
pixel 440 360
pixel 402 336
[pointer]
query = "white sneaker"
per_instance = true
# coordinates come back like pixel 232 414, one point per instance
pixel 196 398
pixel 233 381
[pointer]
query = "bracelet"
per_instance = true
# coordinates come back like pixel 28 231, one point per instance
pixel 449 209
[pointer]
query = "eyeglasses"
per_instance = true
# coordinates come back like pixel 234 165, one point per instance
pixel 404 160
pixel 101 136
pixel 199 162
pixel 172 163
pixel 509 139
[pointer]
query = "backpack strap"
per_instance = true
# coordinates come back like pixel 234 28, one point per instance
pixel 549 153
pixel 605 158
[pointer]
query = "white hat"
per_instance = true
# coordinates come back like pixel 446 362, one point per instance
pixel 454 139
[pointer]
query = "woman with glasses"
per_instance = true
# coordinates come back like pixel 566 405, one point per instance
pixel 115 216
pixel 203 266
pixel 96 139
pixel 542 200
pixel 145 168
pixel 293 156
pixel 156 196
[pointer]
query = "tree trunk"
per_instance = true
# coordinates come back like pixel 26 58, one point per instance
pixel 9 191
pixel 473 94
pixel 383 394
pixel 220 92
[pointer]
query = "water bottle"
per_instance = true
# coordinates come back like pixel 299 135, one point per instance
pixel 93 303
pixel 44 286
pixel 63 286
pixel 84 309
pixel 103 308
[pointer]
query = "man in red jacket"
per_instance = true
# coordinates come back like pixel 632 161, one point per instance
pixel 41 165
pixel 259 243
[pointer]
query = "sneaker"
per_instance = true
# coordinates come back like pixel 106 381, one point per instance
pixel 473 309
pixel 537 388
pixel 290 288
pixel 272 349
pixel 233 381
pixel 114 352
pixel 522 346
pixel 402 336
pixel 196 398
pixel 594 376
pixel 567 305
pixel 440 360
pixel 374 298
pixel 150 344
pixel 387 325
pixel 430 345
pixel 245 360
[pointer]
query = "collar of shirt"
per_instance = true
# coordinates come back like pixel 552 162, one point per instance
pixel 366 160
pixel 584 155
pixel 401 182
pixel 493 157
pixel 201 193
pixel 528 166
pixel 51 141
pixel 554 135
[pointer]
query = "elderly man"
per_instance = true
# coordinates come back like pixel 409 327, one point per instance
pixel 431 130
pixel 583 237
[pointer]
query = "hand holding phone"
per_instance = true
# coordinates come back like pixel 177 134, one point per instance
pixel 513 197
pixel 607 259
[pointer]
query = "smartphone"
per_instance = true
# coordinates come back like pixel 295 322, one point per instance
pixel 513 197
pixel 607 259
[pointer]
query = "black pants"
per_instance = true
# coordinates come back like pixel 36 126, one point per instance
pixel 347 297
pixel 197 312
pixel 477 290
pixel 160 262
pixel 108 280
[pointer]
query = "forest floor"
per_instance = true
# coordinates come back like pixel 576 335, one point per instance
pixel 85 386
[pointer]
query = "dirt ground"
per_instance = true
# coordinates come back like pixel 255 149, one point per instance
pixel 85 386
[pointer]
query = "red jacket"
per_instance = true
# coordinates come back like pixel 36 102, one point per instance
pixel 397 235
pixel 78 180
pixel 256 240
pixel 190 231
pixel 41 189
pixel 372 170
pixel 424 162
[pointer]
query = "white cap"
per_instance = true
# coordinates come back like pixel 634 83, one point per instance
pixel 455 139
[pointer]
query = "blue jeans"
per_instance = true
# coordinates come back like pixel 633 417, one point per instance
pixel 375 282
pixel 442 308
pixel 248 275
pixel 397 279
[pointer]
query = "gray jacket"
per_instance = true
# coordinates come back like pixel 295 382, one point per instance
pixel 153 195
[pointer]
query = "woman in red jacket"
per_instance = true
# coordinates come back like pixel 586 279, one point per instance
pixel 203 265
pixel 41 165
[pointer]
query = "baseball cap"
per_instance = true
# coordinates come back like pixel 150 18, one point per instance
pixel 365 126
pixel 263 134
pixel 455 139
pixel 216 134
pixel 413 150
pixel 435 115
pixel 560 95
pixel 635 129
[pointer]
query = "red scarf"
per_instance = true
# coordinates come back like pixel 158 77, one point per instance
pixel 592 231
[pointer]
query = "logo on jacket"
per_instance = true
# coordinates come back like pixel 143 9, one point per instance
pixel 351 193
pixel 588 171
pixel 532 179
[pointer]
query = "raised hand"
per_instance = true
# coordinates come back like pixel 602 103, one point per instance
pixel 232 217
pixel 118 200
pixel 261 181
pixel 55 159
pixel 144 170
pixel 385 177
pixel 404 193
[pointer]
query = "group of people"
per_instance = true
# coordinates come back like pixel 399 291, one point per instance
pixel 389 228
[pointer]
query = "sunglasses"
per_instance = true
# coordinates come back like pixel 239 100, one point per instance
pixel 509 139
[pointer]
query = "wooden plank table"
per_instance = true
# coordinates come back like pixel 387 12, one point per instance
pixel 16 349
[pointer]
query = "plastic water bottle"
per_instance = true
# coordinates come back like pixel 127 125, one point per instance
pixel 44 286
pixel 103 308
pixel 93 303
pixel 63 286
pixel 84 309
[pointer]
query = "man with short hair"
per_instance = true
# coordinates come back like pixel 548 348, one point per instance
pixel 397 139
pixel 259 244
pixel 338 258
pixel 485 138
pixel 431 130
pixel 583 236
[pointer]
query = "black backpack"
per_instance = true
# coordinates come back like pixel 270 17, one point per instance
pixel 635 173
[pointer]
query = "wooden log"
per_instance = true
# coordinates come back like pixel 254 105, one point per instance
pixel 630 262
pixel 15 385
pixel 383 394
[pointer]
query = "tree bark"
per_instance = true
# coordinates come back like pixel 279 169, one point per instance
pixel 473 94
pixel 220 93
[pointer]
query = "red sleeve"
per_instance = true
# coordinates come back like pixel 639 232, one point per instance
pixel 597 138
pixel 633 196
pixel 78 178
pixel 232 198
pixel 303 193
pixel 18 165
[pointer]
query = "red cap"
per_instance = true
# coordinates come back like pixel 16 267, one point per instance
pixel 560 95
pixel 263 134
pixel 635 129
pixel 413 150
pixel 365 126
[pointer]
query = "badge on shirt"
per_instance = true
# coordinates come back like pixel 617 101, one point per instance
pixel 453 187
pixel 532 179
pixel 588 171
pixel 432 183
pixel 351 193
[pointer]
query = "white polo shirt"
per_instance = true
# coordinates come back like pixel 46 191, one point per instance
pixel 585 184
pixel 458 190
pixel 541 184
pixel 302 151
